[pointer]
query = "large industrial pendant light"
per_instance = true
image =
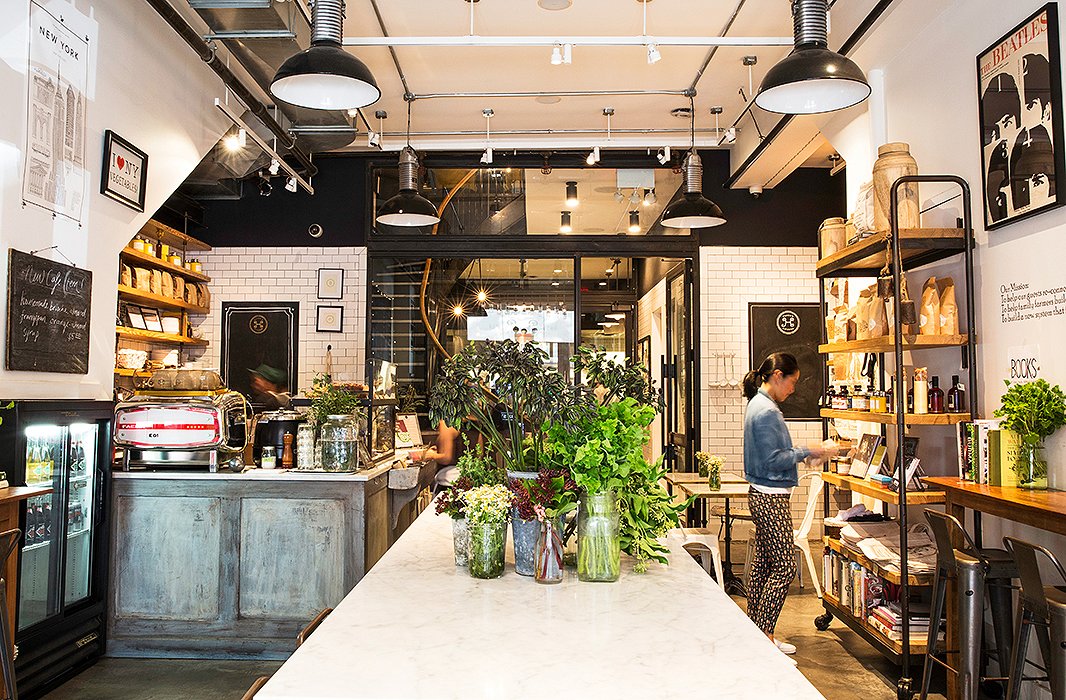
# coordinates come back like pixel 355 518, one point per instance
pixel 691 209
pixel 325 76
pixel 408 208
pixel 812 79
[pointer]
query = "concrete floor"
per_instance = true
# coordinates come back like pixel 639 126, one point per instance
pixel 839 663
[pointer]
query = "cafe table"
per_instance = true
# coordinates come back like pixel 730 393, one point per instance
pixel 730 489
pixel 419 627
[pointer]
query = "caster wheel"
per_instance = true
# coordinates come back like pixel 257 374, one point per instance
pixel 992 689
pixel 903 689
pixel 821 623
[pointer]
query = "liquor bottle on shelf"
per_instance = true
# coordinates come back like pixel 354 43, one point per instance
pixel 42 526
pixel 30 536
pixel 956 396
pixel 936 396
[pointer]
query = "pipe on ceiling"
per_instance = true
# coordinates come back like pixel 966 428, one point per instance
pixel 207 54
pixel 513 41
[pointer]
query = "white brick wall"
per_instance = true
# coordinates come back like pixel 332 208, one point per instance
pixel 291 274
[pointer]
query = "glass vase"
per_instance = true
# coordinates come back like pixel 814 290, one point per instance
pixel 339 438
pixel 599 550
pixel 487 541
pixel 548 557
pixel 461 541
pixel 1031 465
pixel 714 477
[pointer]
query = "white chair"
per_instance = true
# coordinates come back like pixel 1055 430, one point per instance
pixel 703 543
pixel 799 535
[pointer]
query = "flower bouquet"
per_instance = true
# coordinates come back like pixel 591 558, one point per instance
pixel 487 510
pixel 475 469
pixel 710 467
pixel 536 501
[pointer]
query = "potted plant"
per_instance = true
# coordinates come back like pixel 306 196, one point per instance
pixel 539 503
pixel 339 418
pixel 475 469
pixel 710 467
pixel 487 510
pixel 1034 410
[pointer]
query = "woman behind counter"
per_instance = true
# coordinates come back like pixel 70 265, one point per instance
pixel 770 467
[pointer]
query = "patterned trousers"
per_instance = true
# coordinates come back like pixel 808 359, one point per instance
pixel 774 562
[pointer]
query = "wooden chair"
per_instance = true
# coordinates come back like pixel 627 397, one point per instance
pixel 9 541
pixel 312 626
pixel 256 687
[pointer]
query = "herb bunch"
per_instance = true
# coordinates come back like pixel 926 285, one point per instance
pixel 1034 410
pixel 475 469
pixel 551 494
pixel 329 400
pixel 487 505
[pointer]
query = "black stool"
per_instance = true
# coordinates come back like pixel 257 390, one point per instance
pixel 1042 607
pixel 9 541
pixel 977 572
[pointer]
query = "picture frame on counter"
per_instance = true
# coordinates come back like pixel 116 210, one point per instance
pixel 134 318
pixel 1020 110
pixel 125 172
pixel 864 455
pixel 408 433
pixel 151 320
pixel 330 319
pixel 330 283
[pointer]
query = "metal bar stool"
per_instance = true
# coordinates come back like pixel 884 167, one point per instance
pixel 1043 607
pixel 9 541
pixel 978 573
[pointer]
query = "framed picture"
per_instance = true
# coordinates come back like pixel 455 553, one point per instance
pixel 330 319
pixel 134 319
pixel 408 434
pixel 643 354
pixel 914 476
pixel 795 328
pixel 125 171
pixel 330 283
pixel 1020 95
pixel 151 320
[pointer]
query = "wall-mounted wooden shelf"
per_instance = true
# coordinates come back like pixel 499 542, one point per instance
pixel 918 246
pixel 158 300
pixel 172 237
pixel 887 344
pixel 872 490
pixel 160 264
pixel 890 418
pixel 156 337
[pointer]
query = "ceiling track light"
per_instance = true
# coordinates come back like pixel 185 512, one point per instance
pixel 634 221
pixel 571 194
pixel 649 196
pixel 593 156
pixel 812 79
pixel 290 184
pixel 562 54
pixel 408 208
pixel 325 76
pixel 262 143
pixel 565 222
pixel 663 155
pixel 691 209
pixel 653 55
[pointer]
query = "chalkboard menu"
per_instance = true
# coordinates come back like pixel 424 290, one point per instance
pixel 47 315
pixel 797 330
pixel 259 333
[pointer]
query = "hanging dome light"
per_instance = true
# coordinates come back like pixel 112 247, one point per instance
pixel 571 194
pixel 812 79
pixel 564 222
pixel 408 208
pixel 325 76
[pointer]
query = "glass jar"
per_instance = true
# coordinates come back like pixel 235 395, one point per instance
pixel 487 542
pixel 1031 465
pixel 339 438
pixel 305 446
pixel 599 549
pixel 269 458
pixel 548 556
pixel 714 477
pixel 461 541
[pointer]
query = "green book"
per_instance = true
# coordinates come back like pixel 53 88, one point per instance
pixel 1003 447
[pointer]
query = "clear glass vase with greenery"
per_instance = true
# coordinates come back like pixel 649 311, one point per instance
pixel 1034 410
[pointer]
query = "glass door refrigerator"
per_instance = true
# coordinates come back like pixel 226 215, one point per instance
pixel 63 560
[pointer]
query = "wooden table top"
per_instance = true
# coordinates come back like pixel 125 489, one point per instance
pixel 728 490
pixel 1043 509
pixel 694 478
pixel 21 493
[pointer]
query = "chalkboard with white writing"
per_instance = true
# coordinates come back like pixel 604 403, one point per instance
pixel 47 315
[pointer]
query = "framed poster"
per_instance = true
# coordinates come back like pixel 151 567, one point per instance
pixel 125 171
pixel 330 283
pixel 797 330
pixel 408 433
pixel 256 333
pixel 330 319
pixel 1020 96
pixel 643 356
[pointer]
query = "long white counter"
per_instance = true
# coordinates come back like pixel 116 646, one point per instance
pixel 418 627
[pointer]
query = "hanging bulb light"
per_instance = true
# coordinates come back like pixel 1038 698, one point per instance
pixel 634 197
pixel 812 79
pixel 649 196
pixel 571 194
pixel 691 209
pixel 618 196
pixel 564 222
pixel 634 221
pixel 458 311
pixel 325 76
pixel 408 208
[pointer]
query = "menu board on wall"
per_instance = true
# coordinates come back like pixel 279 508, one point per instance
pixel 47 315
pixel 795 329
pixel 260 333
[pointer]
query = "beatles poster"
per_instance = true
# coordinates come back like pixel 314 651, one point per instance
pixel 1021 120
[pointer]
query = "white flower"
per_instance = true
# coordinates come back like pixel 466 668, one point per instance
pixel 487 504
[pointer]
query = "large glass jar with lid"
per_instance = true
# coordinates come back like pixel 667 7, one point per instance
pixel 339 440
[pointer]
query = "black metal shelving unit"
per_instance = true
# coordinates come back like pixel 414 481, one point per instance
pixel 903 250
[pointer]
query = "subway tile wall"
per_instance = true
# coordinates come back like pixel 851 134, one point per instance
pixel 291 274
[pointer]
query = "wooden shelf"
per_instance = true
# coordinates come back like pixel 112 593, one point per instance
pixel 918 246
pixel 158 300
pixel 887 344
pixel 172 237
pixel 159 263
pixel 156 337
pixel 869 488
pixel 889 647
pixel 123 372
pixel 890 418
pixel 890 576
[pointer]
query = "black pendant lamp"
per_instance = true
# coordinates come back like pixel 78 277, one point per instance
pixel 325 76
pixel 691 209
pixel 812 79
pixel 408 208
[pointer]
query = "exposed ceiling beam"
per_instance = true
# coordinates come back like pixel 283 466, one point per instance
pixel 639 40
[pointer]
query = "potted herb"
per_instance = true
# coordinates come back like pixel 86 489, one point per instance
pixel 487 508
pixel 538 503
pixel 339 418
pixel 1034 410
pixel 475 469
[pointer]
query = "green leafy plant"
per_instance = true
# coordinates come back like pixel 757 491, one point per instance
pixel 619 381
pixel 515 380
pixel 1034 410
pixel 552 494
pixel 330 400
pixel 408 401
pixel 7 407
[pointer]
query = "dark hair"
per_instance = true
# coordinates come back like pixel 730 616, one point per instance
pixel 778 361
pixel 1036 77
pixel 1001 99
pixel 1032 154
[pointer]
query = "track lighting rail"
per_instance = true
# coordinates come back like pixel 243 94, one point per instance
pixel 550 41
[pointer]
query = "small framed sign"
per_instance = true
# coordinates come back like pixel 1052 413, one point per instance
pixel 330 283
pixel 330 319
pixel 151 320
pixel 125 171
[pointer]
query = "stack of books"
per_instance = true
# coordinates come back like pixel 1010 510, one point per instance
pixel 888 619
pixel 987 453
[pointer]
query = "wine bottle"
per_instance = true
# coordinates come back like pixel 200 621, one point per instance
pixel 936 396
pixel 956 396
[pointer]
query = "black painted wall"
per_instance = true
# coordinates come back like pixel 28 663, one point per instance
pixel 787 215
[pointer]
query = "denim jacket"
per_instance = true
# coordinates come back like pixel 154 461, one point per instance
pixel 769 457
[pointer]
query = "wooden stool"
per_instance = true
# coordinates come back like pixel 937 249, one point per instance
pixel 9 541
pixel 312 626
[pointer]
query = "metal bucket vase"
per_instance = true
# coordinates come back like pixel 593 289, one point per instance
pixel 461 541
pixel 525 533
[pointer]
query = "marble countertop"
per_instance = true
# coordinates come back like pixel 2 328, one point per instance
pixel 419 627
pixel 264 474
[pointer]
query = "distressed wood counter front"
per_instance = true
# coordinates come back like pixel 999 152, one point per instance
pixel 230 565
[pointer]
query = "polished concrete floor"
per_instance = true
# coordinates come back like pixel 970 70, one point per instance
pixel 839 663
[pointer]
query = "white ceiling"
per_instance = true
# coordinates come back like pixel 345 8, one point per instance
pixel 457 122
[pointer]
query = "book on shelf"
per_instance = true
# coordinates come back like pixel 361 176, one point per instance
pixel 1003 446
pixel 975 458
pixel 864 455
